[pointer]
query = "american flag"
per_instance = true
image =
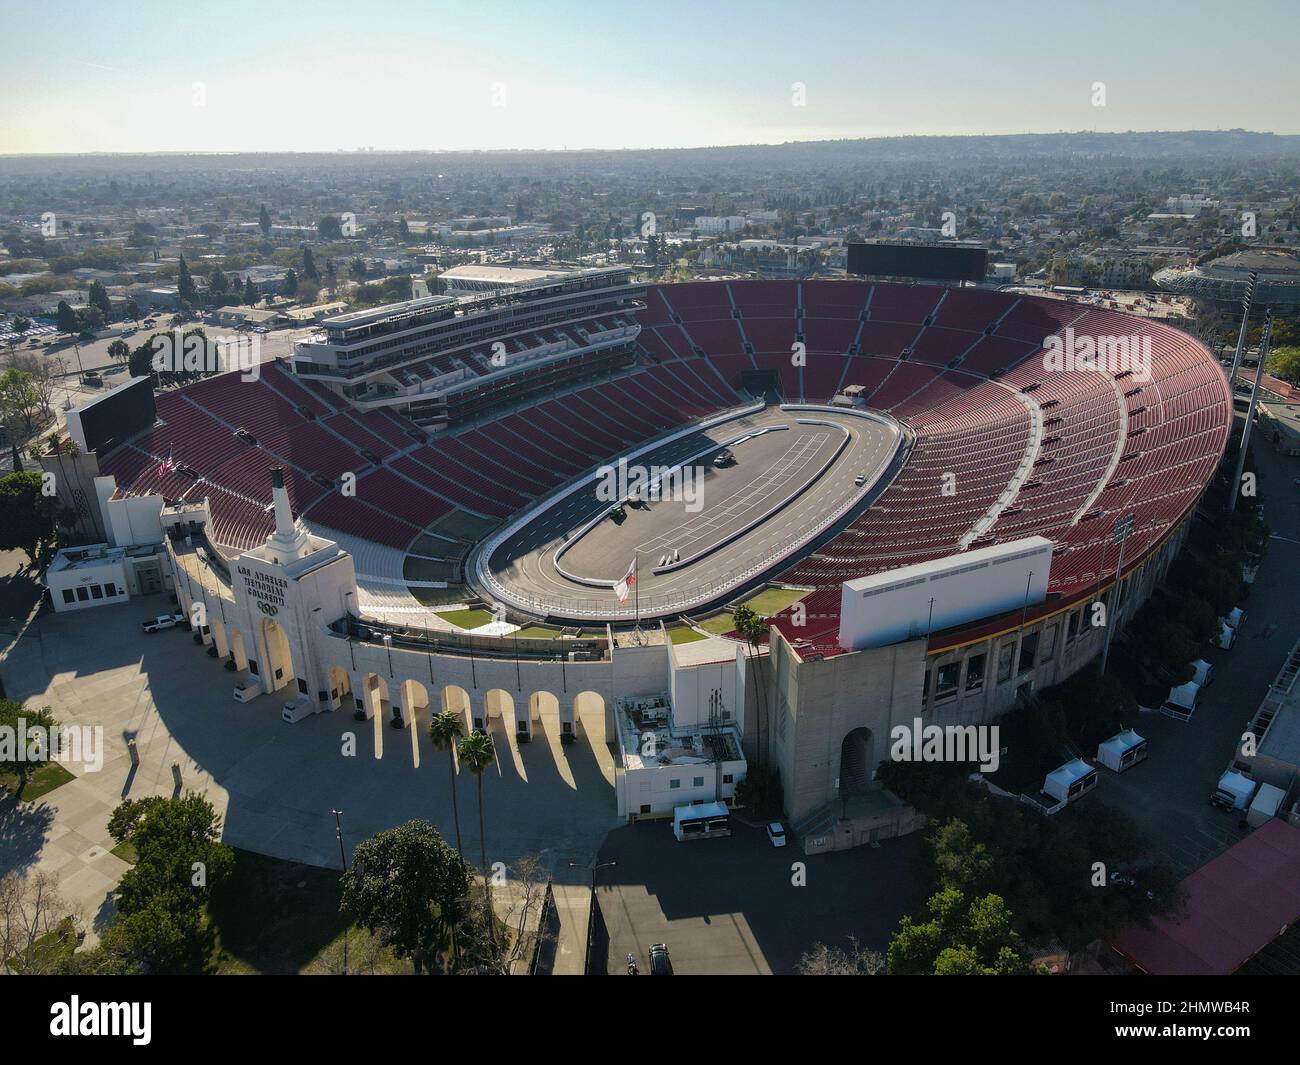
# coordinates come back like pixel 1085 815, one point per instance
pixel 625 586
pixel 168 465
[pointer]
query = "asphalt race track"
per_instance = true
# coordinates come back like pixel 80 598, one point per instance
pixel 788 476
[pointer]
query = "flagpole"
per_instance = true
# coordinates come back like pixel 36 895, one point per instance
pixel 636 584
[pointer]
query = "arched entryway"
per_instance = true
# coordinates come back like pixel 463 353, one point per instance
pixel 857 762
pixel 455 699
pixel 277 669
pixel 340 692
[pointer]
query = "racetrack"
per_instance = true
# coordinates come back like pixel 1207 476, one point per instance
pixel 794 477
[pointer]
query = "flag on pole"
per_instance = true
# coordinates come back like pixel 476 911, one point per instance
pixel 167 466
pixel 623 588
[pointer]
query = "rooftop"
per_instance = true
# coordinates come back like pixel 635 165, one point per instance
pixel 650 738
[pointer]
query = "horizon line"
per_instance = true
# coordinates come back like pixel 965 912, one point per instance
pixel 565 150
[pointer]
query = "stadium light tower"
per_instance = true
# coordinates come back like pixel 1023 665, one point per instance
pixel 1246 301
pixel 1264 340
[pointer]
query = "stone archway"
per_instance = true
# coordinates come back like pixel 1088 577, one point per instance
pixel 340 690
pixel 277 669
pixel 238 650
pixel 456 700
pixel 500 703
pixel 857 762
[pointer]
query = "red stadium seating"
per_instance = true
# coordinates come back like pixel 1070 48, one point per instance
pixel 962 368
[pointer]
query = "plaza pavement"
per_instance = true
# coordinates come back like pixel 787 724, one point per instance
pixel 276 783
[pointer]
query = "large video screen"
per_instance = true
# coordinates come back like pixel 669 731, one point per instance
pixel 114 417
pixel 926 262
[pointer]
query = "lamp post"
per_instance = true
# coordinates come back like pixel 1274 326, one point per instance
pixel 1264 342
pixel 591 910
pixel 343 860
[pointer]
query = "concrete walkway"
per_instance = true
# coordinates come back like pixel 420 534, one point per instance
pixel 275 783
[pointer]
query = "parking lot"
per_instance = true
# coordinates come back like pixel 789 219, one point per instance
pixel 733 906
pixel 1168 794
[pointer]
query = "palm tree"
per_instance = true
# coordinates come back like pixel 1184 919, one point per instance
pixel 753 627
pixel 477 752
pixel 446 730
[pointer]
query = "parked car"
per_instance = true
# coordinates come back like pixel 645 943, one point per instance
pixel 659 963
pixel 162 621
pixel 776 833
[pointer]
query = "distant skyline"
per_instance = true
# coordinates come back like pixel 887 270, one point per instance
pixel 405 75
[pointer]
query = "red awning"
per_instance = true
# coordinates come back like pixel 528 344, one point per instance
pixel 1236 905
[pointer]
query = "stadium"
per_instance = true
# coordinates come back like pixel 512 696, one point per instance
pixel 1221 283
pixel 841 439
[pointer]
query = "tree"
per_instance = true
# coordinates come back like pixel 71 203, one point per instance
pixel 185 290
pixel 218 283
pixel 169 836
pixel 403 230
pixel 834 961
pixel 477 752
pixel 264 220
pixel 21 324
pixel 753 628
pixel 446 730
pixel 1285 363
pixel 31 911
pixel 26 514
pixel 407 885
pixel 160 925
pixel 250 292
pixel 290 286
pixel 133 310
pixel 19 398
pixel 119 351
pixel 330 228
pixel 960 861
pixel 25 759
pixel 66 318
pixel 956 938
pixel 309 270
pixel 98 298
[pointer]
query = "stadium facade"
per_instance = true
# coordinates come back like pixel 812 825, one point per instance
pixel 1221 282
pixel 404 437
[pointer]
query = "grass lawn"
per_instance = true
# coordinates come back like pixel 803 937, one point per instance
pixel 684 634
pixel 273 916
pixel 766 603
pixel 773 600
pixel 718 624
pixel 467 619
pixel 126 851
pixel 49 776
pixel 538 632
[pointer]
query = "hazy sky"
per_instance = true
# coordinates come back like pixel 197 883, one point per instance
pixel 286 75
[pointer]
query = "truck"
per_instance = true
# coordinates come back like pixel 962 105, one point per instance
pixel 1234 791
